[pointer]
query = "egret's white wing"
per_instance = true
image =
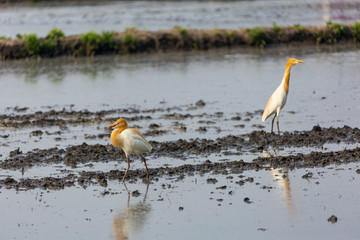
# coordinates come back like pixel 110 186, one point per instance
pixel 277 99
pixel 133 143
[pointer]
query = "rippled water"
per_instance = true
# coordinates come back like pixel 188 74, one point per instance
pixel 325 90
pixel 154 15
pixel 293 208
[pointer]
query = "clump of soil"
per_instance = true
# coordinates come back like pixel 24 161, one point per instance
pixel 333 219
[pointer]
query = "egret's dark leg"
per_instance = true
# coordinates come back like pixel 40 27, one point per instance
pixel 147 172
pixel 127 168
pixel 277 122
pixel 272 124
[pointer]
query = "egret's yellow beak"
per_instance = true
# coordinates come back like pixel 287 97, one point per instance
pixel 299 61
pixel 112 125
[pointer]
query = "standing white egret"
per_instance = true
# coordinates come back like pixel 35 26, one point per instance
pixel 130 140
pixel 278 99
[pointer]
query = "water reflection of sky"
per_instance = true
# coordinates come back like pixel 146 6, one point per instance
pixel 323 91
pixel 154 15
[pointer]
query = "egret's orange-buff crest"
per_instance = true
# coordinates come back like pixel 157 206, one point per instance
pixel 130 140
pixel 278 99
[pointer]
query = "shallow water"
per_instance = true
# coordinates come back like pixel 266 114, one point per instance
pixel 279 208
pixel 324 90
pixel 155 15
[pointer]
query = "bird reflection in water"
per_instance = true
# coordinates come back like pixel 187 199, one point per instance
pixel 281 177
pixel 132 219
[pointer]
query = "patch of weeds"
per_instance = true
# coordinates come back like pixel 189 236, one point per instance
pixel 320 36
pixel 340 30
pixel 182 31
pixel 32 44
pixel 298 26
pixel 257 36
pixel 90 41
pixel 230 35
pixel 131 29
pixel 131 42
pixel 195 46
pixel 107 41
pixel 277 29
pixel 355 30
pixel 55 33
pixel 48 46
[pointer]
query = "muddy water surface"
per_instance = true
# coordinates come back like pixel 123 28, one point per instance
pixel 214 162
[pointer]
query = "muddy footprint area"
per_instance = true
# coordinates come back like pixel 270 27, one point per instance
pixel 70 164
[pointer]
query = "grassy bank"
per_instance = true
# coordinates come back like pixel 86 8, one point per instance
pixel 133 40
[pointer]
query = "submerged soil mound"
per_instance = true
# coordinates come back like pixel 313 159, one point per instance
pixel 256 141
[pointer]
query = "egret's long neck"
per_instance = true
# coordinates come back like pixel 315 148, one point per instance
pixel 286 78
pixel 121 128
pixel 114 136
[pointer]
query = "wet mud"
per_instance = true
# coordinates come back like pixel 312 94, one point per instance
pixel 199 148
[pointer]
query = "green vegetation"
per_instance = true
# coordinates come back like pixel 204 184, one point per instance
pixel 218 34
pixel 182 30
pixel 51 40
pixel 277 29
pixel 131 42
pixel 320 36
pixel 339 30
pixel 257 36
pixel 355 30
pixel 90 42
pixel 55 33
pixel 32 44
pixel 230 35
pixel 107 41
pixel 131 29
pixel 298 26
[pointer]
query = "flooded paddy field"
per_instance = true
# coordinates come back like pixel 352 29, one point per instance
pixel 216 171
pixel 78 18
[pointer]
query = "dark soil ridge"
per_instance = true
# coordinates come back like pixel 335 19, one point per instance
pixel 179 39
pixel 256 141
pixel 86 178
pixel 313 159
pixel 64 117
